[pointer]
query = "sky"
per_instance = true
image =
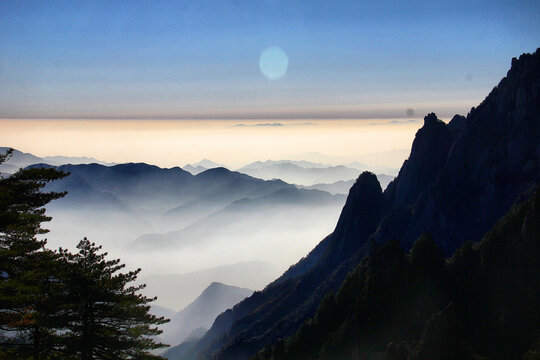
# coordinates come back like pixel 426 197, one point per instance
pixel 253 61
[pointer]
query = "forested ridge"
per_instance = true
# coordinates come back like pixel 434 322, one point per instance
pixel 480 303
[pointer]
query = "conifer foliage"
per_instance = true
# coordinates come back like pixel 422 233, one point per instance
pixel 26 267
pixel 108 319
pixel 59 305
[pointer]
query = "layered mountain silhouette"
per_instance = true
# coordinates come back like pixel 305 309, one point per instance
pixel 459 180
pixel 168 220
pixel 200 314
pixel 20 160
pixel 172 198
pixel 201 166
pixel 264 211
pixel 303 172
pixel 176 291
pixel 17 161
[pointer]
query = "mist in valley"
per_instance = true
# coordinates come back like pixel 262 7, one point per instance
pixel 169 222
pixel 205 238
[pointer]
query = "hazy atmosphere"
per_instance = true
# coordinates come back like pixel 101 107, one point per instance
pixel 172 143
pixel 293 179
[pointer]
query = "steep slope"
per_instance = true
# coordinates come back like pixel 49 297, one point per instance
pixel 483 301
pixel 428 155
pixel 458 190
pixel 201 313
pixel 456 184
pixel 284 304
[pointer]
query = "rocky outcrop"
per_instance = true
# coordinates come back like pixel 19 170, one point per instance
pixel 458 191
pixel 457 124
pixel 360 216
pixel 428 157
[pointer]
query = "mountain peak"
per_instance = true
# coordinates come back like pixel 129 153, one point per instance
pixel 215 284
pixel 457 124
pixel 430 119
pixel 428 156
pixel 361 213
pixel 214 172
pixel 207 164
pixel 524 60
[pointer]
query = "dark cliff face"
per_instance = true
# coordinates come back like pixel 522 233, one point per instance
pixel 495 157
pixel 359 217
pixel 281 307
pixel 461 178
pixel 428 156
pixel 481 303
pixel 458 181
pixel 457 124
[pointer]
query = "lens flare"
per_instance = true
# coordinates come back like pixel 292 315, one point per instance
pixel 273 62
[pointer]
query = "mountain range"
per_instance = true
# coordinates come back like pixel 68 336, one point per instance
pixel 459 180
pixel 200 314
pixel 201 166
pixel 305 173
pixel 20 160
pixel 170 221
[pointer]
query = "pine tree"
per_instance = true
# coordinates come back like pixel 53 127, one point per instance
pixel 108 319
pixel 25 264
pixel 58 305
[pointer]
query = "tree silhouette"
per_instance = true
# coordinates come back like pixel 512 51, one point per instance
pixel 25 265
pixel 108 319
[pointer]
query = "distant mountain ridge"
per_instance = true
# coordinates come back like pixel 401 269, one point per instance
pixel 21 159
pixel 458 181
pixel 201 166
pixel 310 175
pixel 143 212
pixel 296 174
pixel 286 199
pixel 200 314
pixel 176 291
pixel 301 163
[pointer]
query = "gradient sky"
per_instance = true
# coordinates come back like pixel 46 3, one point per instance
pixel 171 143
pixel 200 59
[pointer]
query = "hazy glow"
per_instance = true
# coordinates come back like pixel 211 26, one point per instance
pixel 176 143
pixel 273 62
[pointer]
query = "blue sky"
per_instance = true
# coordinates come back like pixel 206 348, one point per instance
pixel 200 59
